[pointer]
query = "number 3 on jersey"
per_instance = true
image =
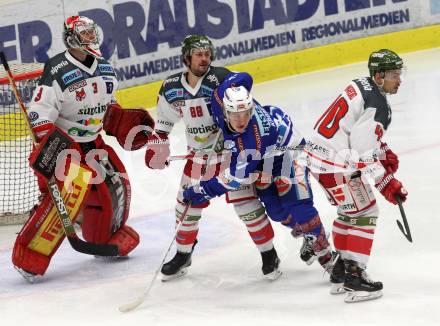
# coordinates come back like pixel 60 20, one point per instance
pixel 328 124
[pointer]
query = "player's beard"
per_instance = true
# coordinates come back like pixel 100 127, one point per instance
pixel 200 71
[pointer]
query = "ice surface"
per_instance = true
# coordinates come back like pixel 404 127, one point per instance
pixel 224 285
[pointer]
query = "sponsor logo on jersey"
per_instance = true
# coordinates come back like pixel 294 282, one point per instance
pixel 33 116
pixel 57 67
pixel 80 95
pixel 94 110
pixel 207 91
pixel 257 137
pixel 107 78
pixel 71 76
pixel 171 80
pixel 165 123
pixel 81 132
pixel 213 79
pixel 264 120
pixel 77 85
pixel 365 84
pixel 202 129
pixel 105 68
pixel 173 94
pixel 350 91
pixel 90 122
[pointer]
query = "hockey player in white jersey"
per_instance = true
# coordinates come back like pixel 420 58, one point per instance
pixel 75 98
pixel 344 152
pixel 186 96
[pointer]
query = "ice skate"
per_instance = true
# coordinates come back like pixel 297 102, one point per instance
pixel 358 285
pixel 306 252
pixel 337 275
pixel 176 267
pixel 30 277
pixel 271 263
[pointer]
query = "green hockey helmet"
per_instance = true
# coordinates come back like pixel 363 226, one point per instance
pixel 193 42
pixel 383 60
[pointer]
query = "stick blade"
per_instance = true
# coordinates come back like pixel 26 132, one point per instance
pixel 402 229
pixel 131 305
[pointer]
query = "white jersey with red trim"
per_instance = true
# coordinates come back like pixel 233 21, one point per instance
pixel 347 136
pixel 178 100
pixel 72 97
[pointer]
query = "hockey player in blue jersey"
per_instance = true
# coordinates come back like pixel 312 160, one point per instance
pixel 262 142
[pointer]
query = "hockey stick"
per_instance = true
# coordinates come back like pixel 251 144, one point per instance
pixel 76 243
pixel 138 301
pixel 405 227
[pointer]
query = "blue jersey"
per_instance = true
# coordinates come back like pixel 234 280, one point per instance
pixel 265 146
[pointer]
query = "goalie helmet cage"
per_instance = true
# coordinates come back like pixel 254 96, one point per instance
pixel 18 185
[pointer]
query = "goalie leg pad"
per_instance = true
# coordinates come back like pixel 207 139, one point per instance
pixel 126 238
pixel 253 215
pixel 107 206
pixel 42 234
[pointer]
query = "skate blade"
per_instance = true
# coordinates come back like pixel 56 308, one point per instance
pixel 359 296
pixel 337 288
pixel 311 261
pixel 274 275
pixel 31 278
pixel 179 274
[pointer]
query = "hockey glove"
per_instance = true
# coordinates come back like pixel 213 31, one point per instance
pixel 158 151
pixel 119 122
pixel 390 188
pixel 195 195
pixel 389 160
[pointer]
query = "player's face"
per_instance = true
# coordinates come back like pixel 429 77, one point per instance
pixel 200 61
pixel 392 80
pixel 239 120
pixel 88 35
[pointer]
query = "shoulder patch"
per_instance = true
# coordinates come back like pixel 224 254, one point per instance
pixel 351 92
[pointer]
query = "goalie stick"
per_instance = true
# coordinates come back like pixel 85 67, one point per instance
pixel 76 243
pixel 141 299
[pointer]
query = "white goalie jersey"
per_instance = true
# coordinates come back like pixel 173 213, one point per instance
pixel 73 97
pixel 178 100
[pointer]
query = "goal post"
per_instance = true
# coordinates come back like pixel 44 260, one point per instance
pixel 18 184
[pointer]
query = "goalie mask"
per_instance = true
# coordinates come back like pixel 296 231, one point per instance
pixel 238 106
pixel 82 33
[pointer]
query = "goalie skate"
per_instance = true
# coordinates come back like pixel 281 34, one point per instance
pixel 30 277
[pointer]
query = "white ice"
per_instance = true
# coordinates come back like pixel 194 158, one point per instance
pixel 224 285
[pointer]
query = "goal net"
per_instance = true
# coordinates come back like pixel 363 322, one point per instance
pixel 18 185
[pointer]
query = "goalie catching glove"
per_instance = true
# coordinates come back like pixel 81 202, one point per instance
pixel 131 127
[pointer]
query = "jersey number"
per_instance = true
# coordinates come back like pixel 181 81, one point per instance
pixel 196 111
pixel 328 124
pixel 95 87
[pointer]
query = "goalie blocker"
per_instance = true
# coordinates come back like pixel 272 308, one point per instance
pixel 93 185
